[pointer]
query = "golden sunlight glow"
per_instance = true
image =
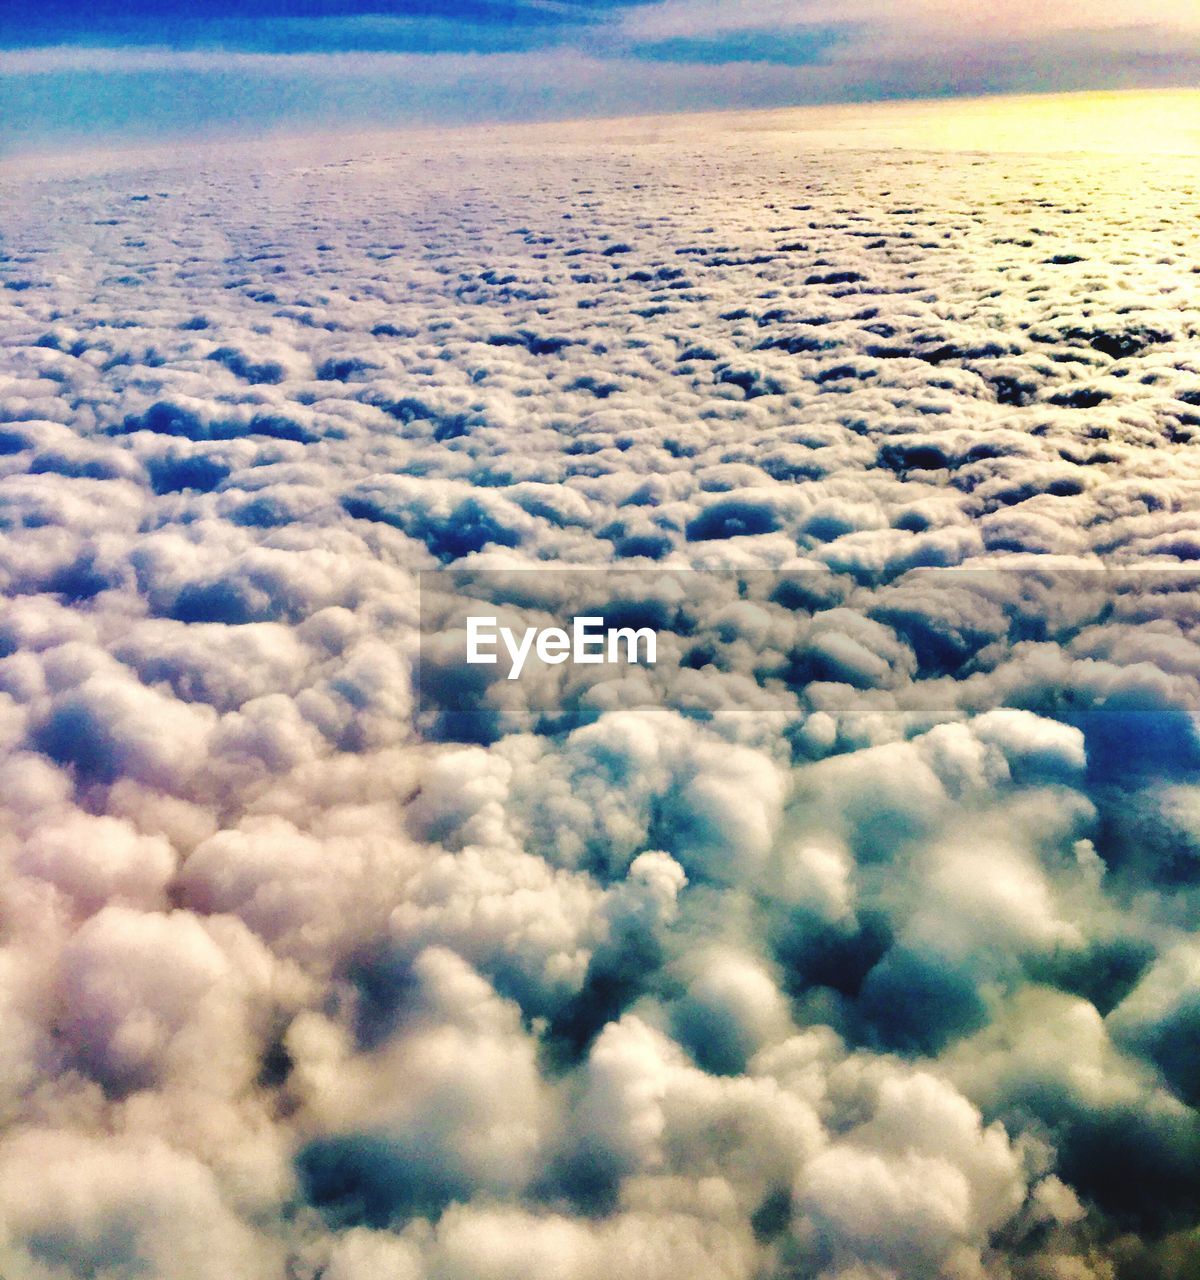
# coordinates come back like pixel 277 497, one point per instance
pixel 1160 122
pixel 1163 122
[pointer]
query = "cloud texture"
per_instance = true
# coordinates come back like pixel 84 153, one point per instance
pixel 855 941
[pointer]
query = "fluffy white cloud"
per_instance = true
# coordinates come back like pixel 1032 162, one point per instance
pixel 854 939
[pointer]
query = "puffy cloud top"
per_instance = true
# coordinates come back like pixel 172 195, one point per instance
pixel 854 940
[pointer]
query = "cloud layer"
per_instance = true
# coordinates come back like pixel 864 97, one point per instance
pixel 855 940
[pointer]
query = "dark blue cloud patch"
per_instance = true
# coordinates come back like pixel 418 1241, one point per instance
pixel 307 26
pixel 795 47
pixel 376 1181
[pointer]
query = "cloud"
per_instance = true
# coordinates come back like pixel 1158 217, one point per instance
pixel 86 1205
pixel 1015 17
pixel 855 938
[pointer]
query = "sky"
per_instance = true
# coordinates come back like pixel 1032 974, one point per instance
pixel 132 68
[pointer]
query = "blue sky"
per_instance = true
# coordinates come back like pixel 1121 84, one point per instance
pixel 132 68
